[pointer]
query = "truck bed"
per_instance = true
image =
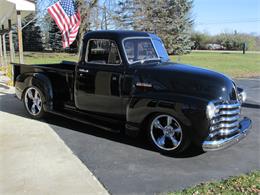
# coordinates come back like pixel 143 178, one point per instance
pixel 61 76
pixel 64 66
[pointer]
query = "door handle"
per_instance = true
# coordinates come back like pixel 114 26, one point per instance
pixel 83 70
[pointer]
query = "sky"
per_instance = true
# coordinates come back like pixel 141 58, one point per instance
pixel 218 16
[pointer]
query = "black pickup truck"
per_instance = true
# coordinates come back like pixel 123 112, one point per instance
pixel 124 80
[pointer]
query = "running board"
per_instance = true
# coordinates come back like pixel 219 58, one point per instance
pixel 87 122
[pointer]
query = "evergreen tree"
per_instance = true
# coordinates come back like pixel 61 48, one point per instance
pixel 54 37
pixel 32 35
pixel 125 14
pixel 170 19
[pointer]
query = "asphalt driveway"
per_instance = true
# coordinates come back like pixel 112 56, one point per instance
pixel 125 166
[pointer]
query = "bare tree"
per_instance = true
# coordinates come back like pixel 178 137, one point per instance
pixel 85 7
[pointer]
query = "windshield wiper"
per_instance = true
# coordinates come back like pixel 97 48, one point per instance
pixel 158 59
pixel 147 60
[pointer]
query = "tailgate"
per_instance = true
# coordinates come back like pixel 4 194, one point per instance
pixel 16 70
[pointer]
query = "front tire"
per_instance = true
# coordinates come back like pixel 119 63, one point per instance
pixel 33 102
pixel 167 135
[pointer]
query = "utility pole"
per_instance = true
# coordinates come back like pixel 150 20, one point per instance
pixel 10 34
pixel 1 52
pixel 20 37
pixel 4 45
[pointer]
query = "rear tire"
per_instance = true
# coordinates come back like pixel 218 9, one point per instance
pixel 33 102
pixel 167 135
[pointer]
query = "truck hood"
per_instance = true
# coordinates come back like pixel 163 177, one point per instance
pixel 188 80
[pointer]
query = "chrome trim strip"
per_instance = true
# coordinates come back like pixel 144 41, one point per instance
pixel 228 112
pixel 223 125
pixel 225 119
pixel 224 132
pixel 228 106
pixel 228 131
pixel 140 84
pixel 235 88
pixel 244 129
pixel 83 70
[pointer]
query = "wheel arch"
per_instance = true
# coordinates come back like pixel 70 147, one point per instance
pixel 42 82
pixel 186 110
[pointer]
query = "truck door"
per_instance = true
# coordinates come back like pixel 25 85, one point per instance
pixel 98 81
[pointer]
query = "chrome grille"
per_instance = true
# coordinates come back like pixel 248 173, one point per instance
pixel 226 121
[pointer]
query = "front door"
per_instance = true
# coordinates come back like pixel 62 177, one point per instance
pixel 98 81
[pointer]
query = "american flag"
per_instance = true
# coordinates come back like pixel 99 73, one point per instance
pixel 67 18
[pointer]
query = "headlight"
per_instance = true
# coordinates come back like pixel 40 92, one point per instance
pixel 242 96
pixel 211 110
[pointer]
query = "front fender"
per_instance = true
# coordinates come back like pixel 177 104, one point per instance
pixel 39 80
pixel 190 111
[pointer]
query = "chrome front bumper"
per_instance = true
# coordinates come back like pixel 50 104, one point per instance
pixel 244 128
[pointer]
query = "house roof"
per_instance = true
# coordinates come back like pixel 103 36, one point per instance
pixel 8 10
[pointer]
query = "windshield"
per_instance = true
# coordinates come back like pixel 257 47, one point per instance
pixel 140 50
pixel 159 46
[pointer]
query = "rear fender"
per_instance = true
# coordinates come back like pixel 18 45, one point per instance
pixel 38 80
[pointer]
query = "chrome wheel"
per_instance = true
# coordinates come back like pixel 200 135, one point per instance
pixel 166 132
pixel 33 101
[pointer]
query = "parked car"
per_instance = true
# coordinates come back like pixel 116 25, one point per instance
pixel 215 46
pixel 124 80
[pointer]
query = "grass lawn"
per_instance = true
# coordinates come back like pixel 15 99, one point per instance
pixel 232 64
pixel 45 58
pixel 244 184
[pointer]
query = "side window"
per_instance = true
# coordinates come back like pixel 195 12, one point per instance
pixel 102 51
